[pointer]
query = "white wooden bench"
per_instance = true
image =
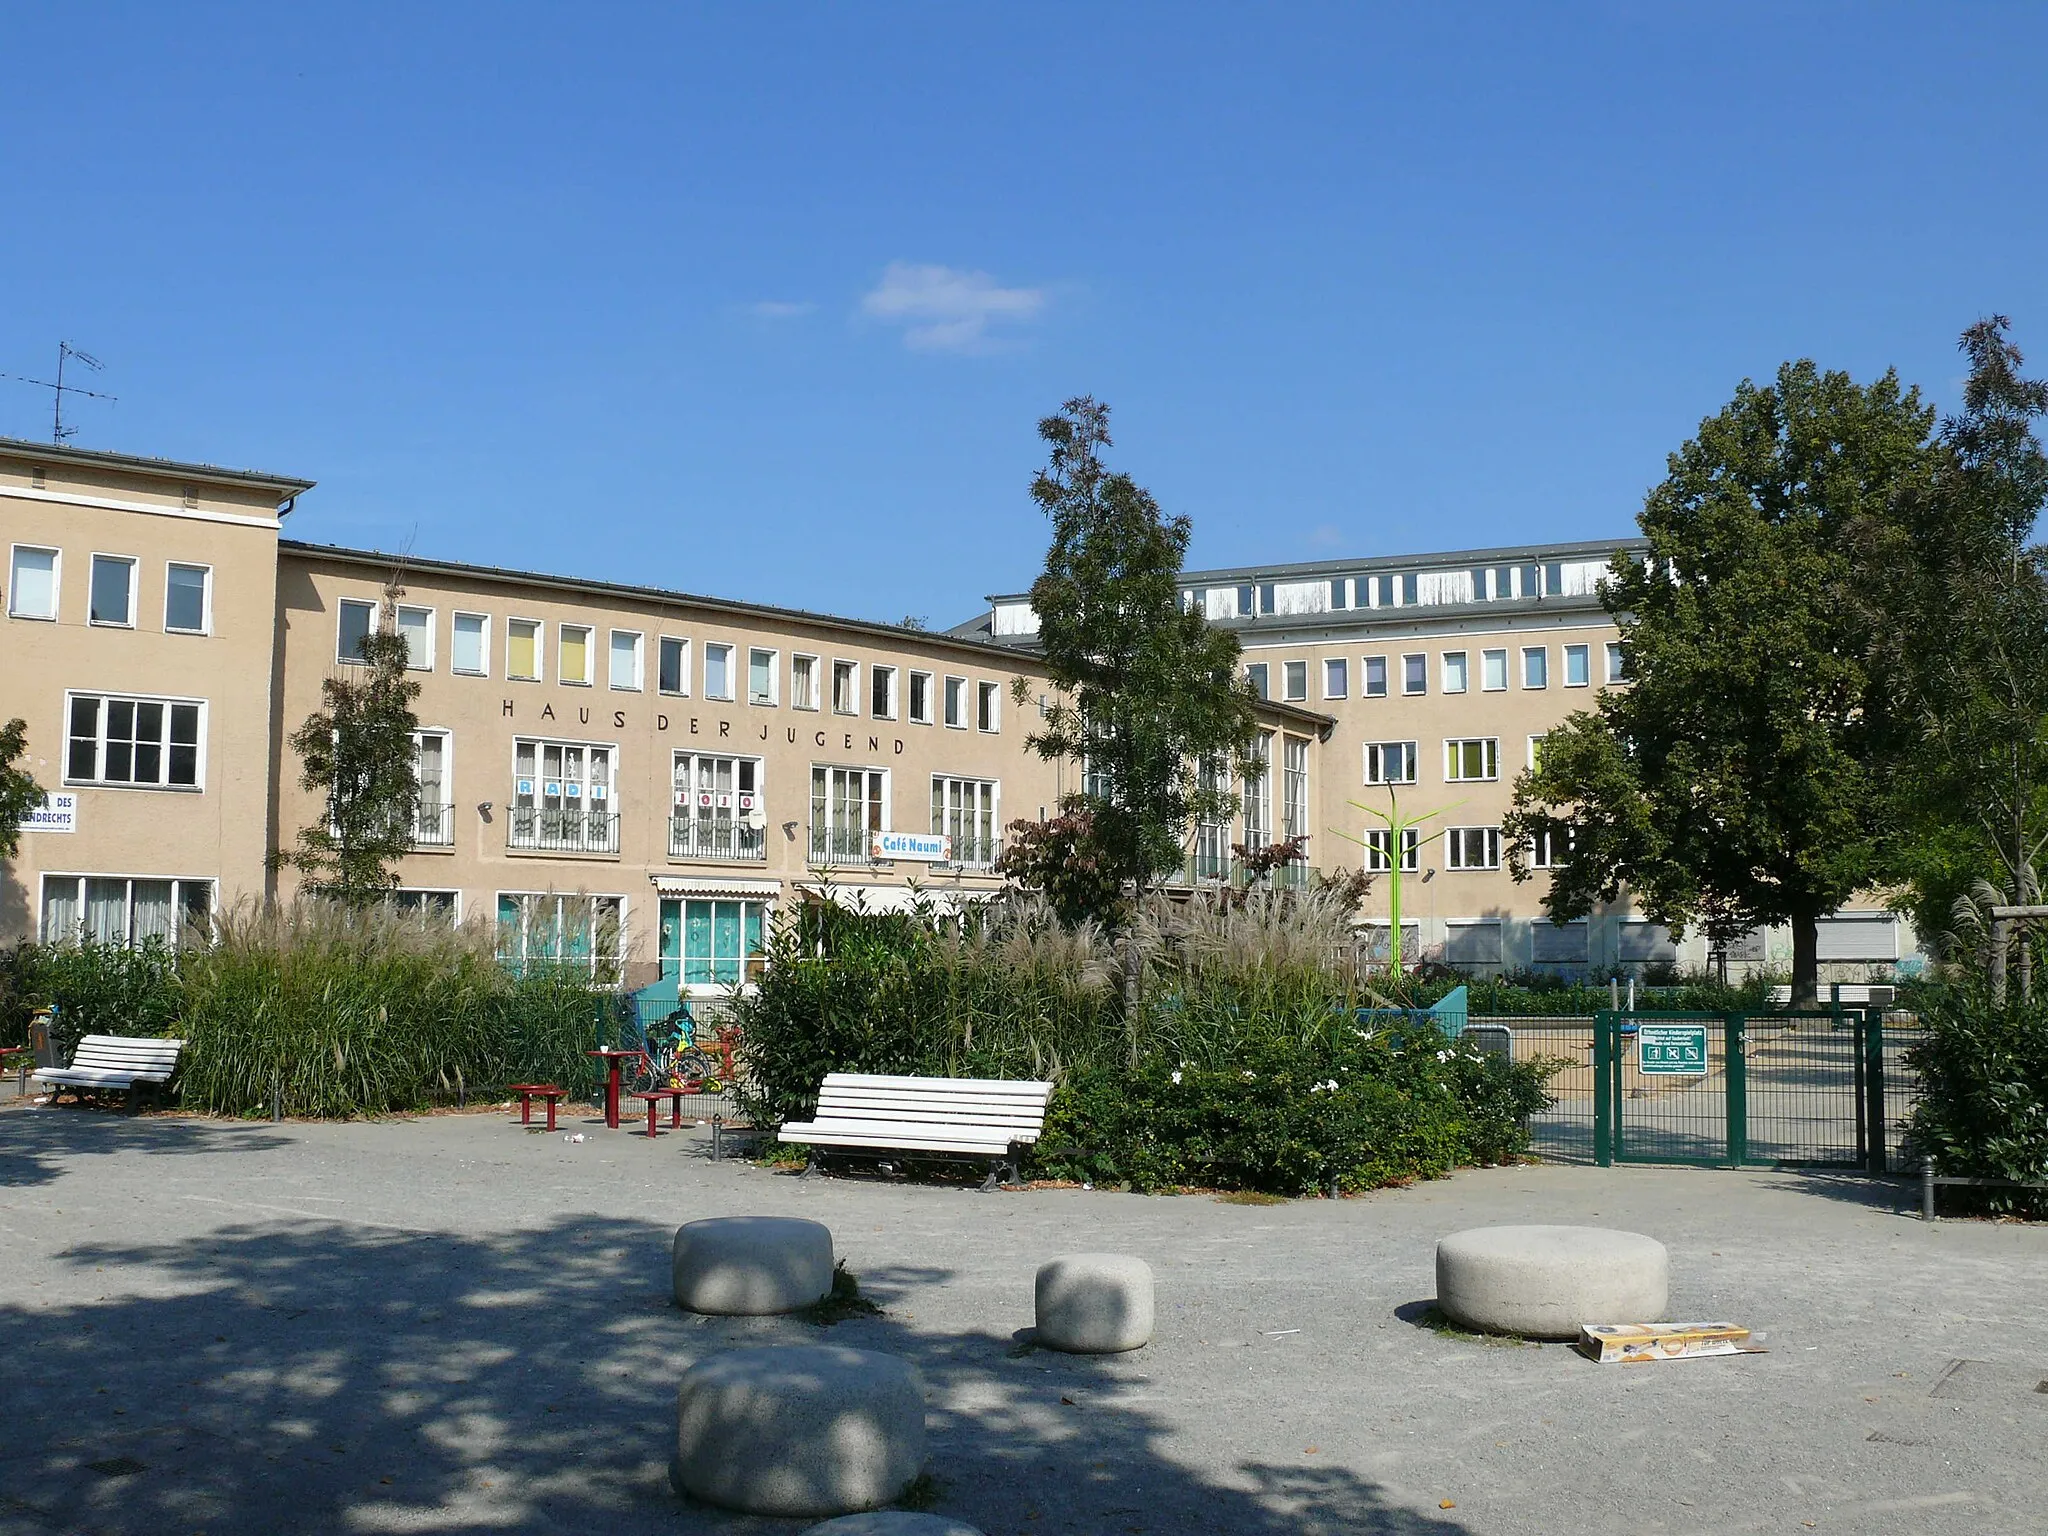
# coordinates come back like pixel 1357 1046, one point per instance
pixel 1855 994
pixel 943 1117
pixel 114 1064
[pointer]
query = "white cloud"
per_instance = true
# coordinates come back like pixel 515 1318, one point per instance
pixel 943 309
pixel 780 309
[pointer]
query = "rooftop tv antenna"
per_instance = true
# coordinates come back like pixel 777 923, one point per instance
pixel 66 353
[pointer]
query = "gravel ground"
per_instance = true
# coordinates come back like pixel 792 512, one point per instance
pixel 449 1325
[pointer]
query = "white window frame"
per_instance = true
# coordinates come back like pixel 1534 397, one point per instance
pixel 422 910
pixel 483 643
pixel 988 707
pixel 1339 668
pixel 1616 666
pixel 134 589
pixel 861 846
pixel 589 633
pixel 177 884
pixel 850 670
pixel 540 650
pixel 1287 670
pixel 56 582
pixel 954 691
pixel 162 785
pixel 205 597
pixel 1584 652
pixel 1487 659
pixel 1462 660
pixel 1365 687
pixel 1540 654
pixel 1379 845
pixel 890 680
pixel 773 698
pixel 949 788
pixel 1260 676
pixel 747 844
pixel 732 652
pixel 613 962
pixel 1489 751
pixel 800 698
pixel 682 645
pixel 638 684
pixel 1541 849
pixel 1376 754
pixel 1535 748
pixel 446 806
pixel 537 811
pixel 929 716
pixel 413 664
pixel 1409 668
pixel 1455 848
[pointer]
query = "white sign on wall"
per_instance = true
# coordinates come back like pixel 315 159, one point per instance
pixel 921 846
pixel 57 813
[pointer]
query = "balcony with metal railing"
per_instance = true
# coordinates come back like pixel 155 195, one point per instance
pixel 976 853
pixel 433 826
pixel 549 831
pixel 841 845
pixel 691 837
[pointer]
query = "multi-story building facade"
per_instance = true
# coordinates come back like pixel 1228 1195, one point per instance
pixel 1441 674
pixel 642 777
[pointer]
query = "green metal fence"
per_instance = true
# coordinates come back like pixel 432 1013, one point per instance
pixel 1734 1090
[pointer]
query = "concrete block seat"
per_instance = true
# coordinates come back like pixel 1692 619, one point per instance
pixel 1094 1303
pixel 751 1266
pixel 799 1431
pixel 891 1522
pixel 1543 1282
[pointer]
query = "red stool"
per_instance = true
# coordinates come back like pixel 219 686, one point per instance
pixel 528 1092
pixel 675 1107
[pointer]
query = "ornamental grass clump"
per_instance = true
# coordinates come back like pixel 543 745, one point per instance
pixel 343 1012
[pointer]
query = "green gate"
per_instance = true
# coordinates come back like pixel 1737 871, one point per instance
pixel 1725 1090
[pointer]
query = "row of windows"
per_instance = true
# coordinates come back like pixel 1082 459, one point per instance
pixel 1401 589
pixel 930 698
pixel 113 596
pixel 1467 760
pixel 1464 848
pixel 1455 672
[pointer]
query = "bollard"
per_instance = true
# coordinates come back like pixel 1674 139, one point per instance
pixel 717 1138
pixel 1927 1189
pixel 276 1101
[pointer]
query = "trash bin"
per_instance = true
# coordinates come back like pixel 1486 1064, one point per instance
pixel 39 1038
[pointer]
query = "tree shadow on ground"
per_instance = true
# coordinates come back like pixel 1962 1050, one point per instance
pixel 36 1144
pixel 321 1376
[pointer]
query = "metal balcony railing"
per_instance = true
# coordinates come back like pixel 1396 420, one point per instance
pixel 433 826
pixel 563 831
pixel 690 837
pixel 976 852
pixel 841 845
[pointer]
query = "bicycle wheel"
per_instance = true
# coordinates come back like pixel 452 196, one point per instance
pixel 642 1075
pixel 689 1069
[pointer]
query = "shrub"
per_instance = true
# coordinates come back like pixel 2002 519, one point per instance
pixel 100 989
pixel 1242 1067
pixel 1983 1109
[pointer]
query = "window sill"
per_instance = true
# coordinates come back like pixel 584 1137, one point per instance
pixel 159 789
pixel 559 854
pixel 436 850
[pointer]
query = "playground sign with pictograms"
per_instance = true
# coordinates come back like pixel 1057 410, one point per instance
pixel 1672 1050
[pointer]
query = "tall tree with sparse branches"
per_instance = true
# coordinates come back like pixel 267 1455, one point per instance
pixel 1145 690
pixel 356 753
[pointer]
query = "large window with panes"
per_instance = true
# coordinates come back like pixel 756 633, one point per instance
pixel 1390 762
pixel 1212 827
pixel 714 941
pixel 539 928
pixel 1472 848
pixel 124 909
pixel 433 763
pixel 848 806
pixel 719 812
pixel 1380 843
pixel 965 810
pixel 1294 792
pixel 1470 760
pixel 134 743
pixel 1258 796
pixel 562 797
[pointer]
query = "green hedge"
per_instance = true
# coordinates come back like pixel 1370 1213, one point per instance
pixel 1983 1108
pixel 1243 1066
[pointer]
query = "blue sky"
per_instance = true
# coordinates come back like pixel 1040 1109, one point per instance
pixel 765 300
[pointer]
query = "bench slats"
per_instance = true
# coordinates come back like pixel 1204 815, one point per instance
pixel 909 1140
pixel 115 1061
pixel 983 1084
pixel 878 1112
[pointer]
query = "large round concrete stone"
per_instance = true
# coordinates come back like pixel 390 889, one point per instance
pixel 891 1522
pixel 1544 1282
pixel 799 1431
pixel 1094 1303
pixel 752 1266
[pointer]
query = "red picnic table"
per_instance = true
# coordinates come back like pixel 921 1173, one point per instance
pixel 611 1082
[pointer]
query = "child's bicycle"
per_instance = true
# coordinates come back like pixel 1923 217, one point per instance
pixel 671 1058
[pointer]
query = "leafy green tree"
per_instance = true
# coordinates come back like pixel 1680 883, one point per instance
pixel 1060 859
pixel 1966 587
pixel 19 792
pixel 1145 688
pixel 357 753
pixel 1739 777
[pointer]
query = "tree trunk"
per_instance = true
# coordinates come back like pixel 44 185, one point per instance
pixel 1805 961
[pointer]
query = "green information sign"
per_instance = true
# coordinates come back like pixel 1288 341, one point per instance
pixel 1672 1050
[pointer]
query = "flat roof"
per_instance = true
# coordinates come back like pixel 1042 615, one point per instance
pixel 1507 554
pixel 99 458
